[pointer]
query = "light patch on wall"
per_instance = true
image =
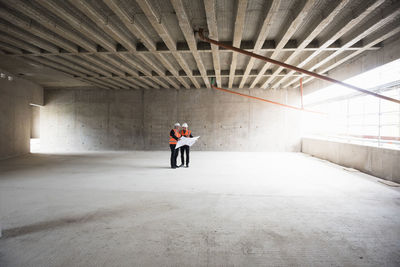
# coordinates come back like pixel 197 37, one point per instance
pixel 35 129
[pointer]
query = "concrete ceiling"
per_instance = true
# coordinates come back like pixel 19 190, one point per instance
pixel 127 44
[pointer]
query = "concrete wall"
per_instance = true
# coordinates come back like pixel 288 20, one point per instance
pixel 79 119
pixel 15 115
pixel 380 162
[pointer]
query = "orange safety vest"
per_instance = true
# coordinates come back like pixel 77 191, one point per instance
pixel 172 141
pixel 185 134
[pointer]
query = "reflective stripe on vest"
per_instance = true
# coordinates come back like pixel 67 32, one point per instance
pixel 172 141
pixel 186 134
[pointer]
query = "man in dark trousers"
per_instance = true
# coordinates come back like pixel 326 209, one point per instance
pixel 174 136
pixel 186 133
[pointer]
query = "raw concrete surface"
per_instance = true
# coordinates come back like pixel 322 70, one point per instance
pixel 362 63
pixel 15 114
pixel 79 119
pixel 378 161
pixel 79 27
pixel 35 122
pixel 227 209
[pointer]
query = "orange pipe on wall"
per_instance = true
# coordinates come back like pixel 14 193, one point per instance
pixel 266 100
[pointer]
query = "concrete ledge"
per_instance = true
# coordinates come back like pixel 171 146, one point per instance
pixel 380 162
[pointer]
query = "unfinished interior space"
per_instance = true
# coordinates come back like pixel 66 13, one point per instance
pixel 289 111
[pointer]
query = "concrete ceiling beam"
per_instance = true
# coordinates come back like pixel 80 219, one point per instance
pixel 19 43
pixel 118 80
pixel 95 68
pixel 309 38
pixel 141 34
pixel 338 61
pixel 32 27
pixel 139 67
pixel 79 70
pixel 97 17
pixel 265 29
pixel 213 33
pixel 117 68
pixel 102 83
pixel 28 38
pixel 162 31
pixel 122 66
pixel 181 61
pixel 102 45
pixel 239 73
pixel 338 33
pixel 10 48
pixel 111 71
pixel 73 66
pixel 77 23
pixel 291 29
pixel 131 80
pixel 371 26
pixel 87 65
pixel 131 24
pixel 59 67
pixel 31 12
pixel 69 64
pixel 187 31
pixel 104 23
pixel 155 20
pixel 237 36
pixel 157 69
pixel 77 67
pixel 104 64
pixel 140 53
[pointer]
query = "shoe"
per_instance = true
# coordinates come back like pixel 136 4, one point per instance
pixel 173 167
pixel 180 166
pixel 187 166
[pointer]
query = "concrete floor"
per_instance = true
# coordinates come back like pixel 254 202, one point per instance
pixel 228 209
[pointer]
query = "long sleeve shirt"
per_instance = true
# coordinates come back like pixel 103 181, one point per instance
pixel 172 133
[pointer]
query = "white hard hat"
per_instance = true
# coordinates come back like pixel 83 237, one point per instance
pixel 177 124
pixel 185 125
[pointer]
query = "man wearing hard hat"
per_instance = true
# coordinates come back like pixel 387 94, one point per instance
pixel 174 136
pixel 186 133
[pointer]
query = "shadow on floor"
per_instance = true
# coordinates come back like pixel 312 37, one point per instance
pixel 61 222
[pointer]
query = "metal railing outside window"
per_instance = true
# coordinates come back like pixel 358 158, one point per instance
pixel 364 119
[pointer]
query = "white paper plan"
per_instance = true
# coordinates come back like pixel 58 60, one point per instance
pixel 184 141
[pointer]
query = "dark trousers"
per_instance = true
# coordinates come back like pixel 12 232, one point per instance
pixel 183 149
pixel 174 155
